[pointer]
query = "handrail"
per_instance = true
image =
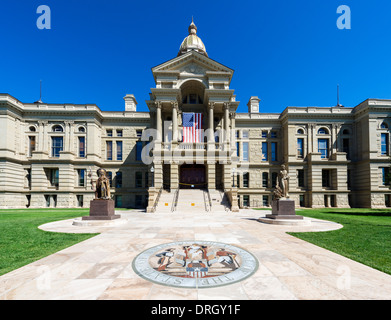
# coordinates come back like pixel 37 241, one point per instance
pixel 157 199
pixel 175 200
pixel 210 200
pixel 206 206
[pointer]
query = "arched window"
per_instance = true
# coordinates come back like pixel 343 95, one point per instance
pixel 384 126
pixel 300 131
pixel 323 131
pixel 82 129
pixel 57 128
pixel 346 132
pixel 32 129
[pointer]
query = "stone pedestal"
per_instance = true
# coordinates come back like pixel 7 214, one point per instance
pixel 102 210
pixel 283 209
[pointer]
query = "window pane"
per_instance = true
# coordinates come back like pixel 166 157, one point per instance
pixel 82 147
pixel 300 148
pixel 109 150
pixel 57 146
pixel 384 143
pixel 264 151
pixel 323 148
pixel 245 151
pixel 274 151
pixel 265 179
pixel 139 149
pixel 118 179
pixel 119 150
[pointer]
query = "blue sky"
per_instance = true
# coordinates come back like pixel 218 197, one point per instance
pixel 288 53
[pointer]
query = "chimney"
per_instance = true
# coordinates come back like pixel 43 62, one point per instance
pixel 253 105
pixel 130 102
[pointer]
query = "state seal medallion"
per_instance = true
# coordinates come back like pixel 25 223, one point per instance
pixel 195 264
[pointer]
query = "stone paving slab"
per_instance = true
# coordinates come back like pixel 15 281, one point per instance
pixel 100 268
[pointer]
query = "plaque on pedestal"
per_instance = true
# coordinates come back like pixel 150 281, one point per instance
pixel 283 209
pixel 101 209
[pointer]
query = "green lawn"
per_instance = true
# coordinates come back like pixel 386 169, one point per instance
pixel 21 242
pixel 365 237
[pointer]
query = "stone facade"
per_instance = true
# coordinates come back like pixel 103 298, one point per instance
pixel 335 156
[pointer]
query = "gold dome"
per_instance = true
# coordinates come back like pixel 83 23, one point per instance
pixel 192 42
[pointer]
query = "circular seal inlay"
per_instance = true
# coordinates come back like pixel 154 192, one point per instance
pixel 195 264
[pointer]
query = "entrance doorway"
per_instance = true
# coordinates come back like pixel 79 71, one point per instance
pixel 192 176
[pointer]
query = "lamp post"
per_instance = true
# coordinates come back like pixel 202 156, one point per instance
pixel 233 176
pixel 152 177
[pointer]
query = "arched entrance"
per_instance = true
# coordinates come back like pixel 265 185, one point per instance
pixel 192 176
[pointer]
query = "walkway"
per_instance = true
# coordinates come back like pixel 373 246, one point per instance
pixel 101 267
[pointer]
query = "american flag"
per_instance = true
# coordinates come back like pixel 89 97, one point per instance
pixel 192 127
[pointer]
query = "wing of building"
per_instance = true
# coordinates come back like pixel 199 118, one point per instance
pixel 192 146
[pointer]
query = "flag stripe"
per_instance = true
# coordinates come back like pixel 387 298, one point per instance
pixel 192 127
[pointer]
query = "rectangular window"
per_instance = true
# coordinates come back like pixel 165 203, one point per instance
pixel 264 134
pixel 245 134
pixel 246 201
pixel 245 151
pixel 246 177
pixel 139 133
pixel 302 200
pixel 326 178
pixel 300 148
pixel 238 149
pixel 53 177
pixel 384 144
pixel 119 150
pixel 109 150
pixel 274 179
pixel 79 201
pixel 81 173
pixel 118 201
pixel 118 179
pixel 323 148
pixel 265 201
pixel 109 132
pixel 387 200
pixel 139 201
pixel 31 145
pixel 119 133
pixel 274 151
pixel 264 151
pixel 139 180
pixel 82 147
pixel 139 149
pixel 110 177
pixel 300 178
pixel 385 176
pixel 265 179
pixel 273 134
pixel 57 146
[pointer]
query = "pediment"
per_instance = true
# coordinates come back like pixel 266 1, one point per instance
pixel 192 63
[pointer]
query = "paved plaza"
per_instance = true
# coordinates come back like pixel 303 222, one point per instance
pixel 102 268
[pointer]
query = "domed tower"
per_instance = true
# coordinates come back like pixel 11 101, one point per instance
pixel 192 42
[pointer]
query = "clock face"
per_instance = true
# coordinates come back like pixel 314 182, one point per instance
pixel 195 264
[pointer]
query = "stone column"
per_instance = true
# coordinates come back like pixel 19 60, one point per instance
pixel 226 122
pixel 174 175
pixel 174 122
pixel 159 120
pixel 40 135
pixel 211 139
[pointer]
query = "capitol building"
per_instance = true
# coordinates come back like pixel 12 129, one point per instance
pixel 192 150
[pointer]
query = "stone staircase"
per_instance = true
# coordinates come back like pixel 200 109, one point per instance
pixel 220 202
pixel 193 200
